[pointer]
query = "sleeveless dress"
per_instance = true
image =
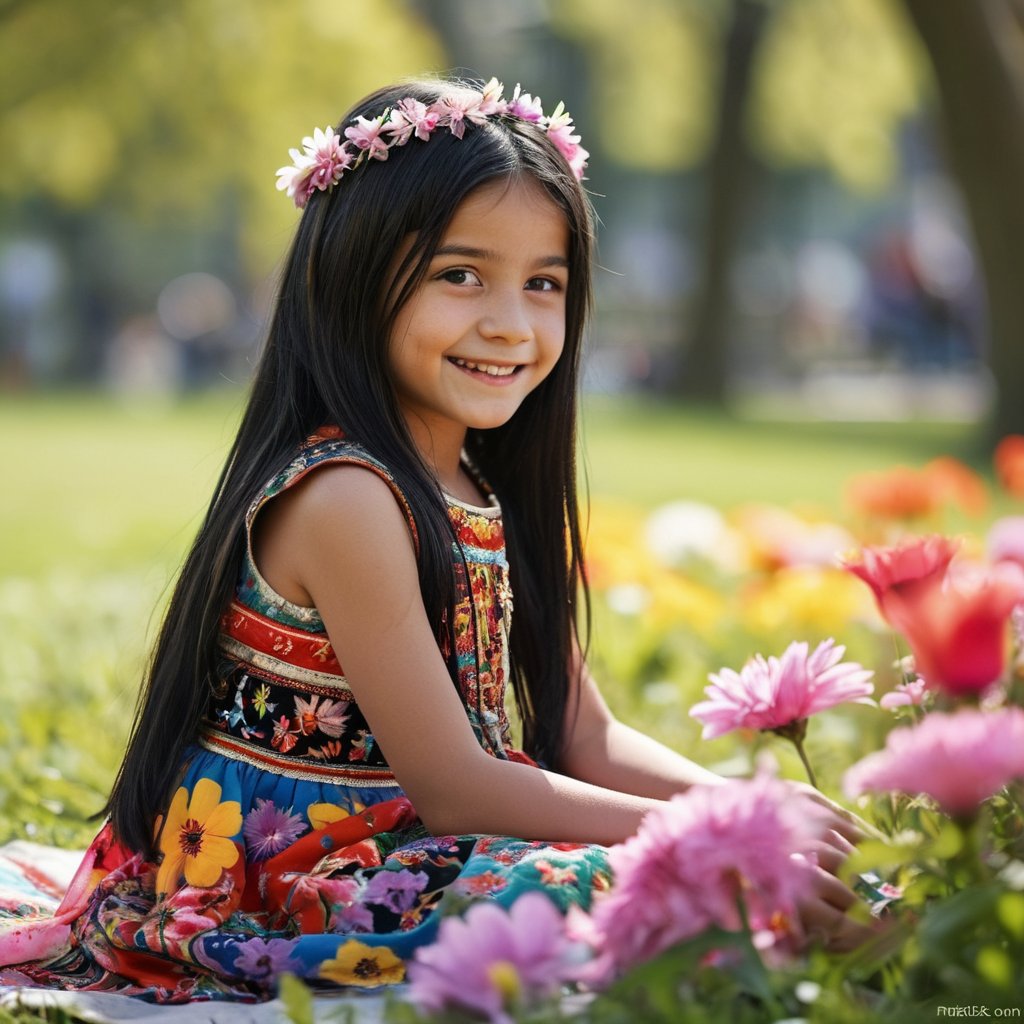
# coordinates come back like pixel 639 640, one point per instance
pixel 289 845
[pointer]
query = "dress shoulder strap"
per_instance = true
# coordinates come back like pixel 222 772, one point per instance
pixel 327 445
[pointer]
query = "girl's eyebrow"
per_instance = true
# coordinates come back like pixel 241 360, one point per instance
pixel 472 253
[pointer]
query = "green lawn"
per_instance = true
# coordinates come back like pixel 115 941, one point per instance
pixel 98 484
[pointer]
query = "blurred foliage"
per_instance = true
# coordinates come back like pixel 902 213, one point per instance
pixel 163 109
pixel 833 81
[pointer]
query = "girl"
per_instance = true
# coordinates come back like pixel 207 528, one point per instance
pixel 322 763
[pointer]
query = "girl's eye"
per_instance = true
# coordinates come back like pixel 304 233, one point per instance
pixel 459 275
pixel 543 284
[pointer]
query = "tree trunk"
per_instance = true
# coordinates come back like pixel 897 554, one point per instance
pixel 977 50
pixel 703 367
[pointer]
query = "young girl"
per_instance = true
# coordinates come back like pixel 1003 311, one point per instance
pixel 322 764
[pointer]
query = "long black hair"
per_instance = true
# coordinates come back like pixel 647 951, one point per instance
pixel 325 362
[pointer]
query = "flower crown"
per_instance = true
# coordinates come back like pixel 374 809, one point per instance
pixel 325 157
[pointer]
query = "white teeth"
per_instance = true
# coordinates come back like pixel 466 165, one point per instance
pixel 489 369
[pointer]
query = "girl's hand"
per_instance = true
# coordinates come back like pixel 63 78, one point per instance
pixel 823 909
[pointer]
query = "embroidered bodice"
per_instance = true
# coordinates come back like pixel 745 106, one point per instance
pixel 283 700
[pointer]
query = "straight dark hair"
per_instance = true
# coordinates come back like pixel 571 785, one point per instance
pixel 326 362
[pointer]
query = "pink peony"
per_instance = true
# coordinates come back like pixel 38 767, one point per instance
pixel 691 860
pixel 366 135
pixel 773 693
pixel 905 695
pixel 1006 540
pixel 958 759
pixel 913 562
pixel 491 959
pixel 957 626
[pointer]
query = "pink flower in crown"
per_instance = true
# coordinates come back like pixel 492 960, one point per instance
pixel 319 167
pixel 560 131
pixel 958 759
pixel 776 692
pixel 493 960
pixel 457 107
pixel 366 135
pixel 491 100
pixel 690 861
pixel 410 117
pixel 525 107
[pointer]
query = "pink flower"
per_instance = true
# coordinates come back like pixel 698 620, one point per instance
pixel 320 713
pixel 560 132
pixel 319 167
pixel 491 959
pixel 915 561
pixel 958 759
pixel 906 694
pixel 366 135
pixel 457 107
pixel 957 626
pixel 491 102
pixel 525 107
pixel 268 830
pixel 690 861
pixel 772 693
pixel 1006 540
pixel 411 117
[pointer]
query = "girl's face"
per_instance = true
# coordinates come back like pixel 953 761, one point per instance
pixel 487 323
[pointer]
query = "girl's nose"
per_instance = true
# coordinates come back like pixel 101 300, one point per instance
pixel 506 319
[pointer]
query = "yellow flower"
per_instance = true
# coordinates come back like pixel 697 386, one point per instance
pixel 197 837
pixel 322 815
pixel 368 966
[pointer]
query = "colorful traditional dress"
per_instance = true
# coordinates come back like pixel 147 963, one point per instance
pixel 289 845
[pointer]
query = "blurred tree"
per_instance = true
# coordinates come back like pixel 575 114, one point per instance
pixel 977 50
pixel 179 112
pixel 728 84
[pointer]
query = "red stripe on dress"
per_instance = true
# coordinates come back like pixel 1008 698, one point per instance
pixel 292 646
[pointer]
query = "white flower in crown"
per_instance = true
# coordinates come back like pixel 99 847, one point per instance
pixel 525 107
pixel 560 131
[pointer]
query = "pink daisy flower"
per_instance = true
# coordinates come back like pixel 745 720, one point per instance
pixel 775 692
pixel 492 960
pixel 957 759
pixel 525 107
pixel 318 167
pixel 910 694
pixel 411 117
pixel 690 861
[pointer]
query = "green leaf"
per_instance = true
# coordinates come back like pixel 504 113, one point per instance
pixel 1010 911
pixel 297 1000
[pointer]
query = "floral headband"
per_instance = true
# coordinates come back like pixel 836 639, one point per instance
pixel 325 158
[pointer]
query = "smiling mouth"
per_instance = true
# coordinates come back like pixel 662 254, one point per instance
pixel 491 369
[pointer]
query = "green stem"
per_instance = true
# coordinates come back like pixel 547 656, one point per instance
pixel 799 744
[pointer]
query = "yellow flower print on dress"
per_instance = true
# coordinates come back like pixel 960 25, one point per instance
pixel 322 815
pixel 197 837
pixel 367 966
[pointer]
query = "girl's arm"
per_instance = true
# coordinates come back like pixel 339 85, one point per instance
pixel 605 752
pixel 339 541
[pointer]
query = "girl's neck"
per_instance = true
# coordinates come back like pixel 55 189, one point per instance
pixel 443 457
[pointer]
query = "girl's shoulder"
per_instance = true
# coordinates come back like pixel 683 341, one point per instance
pixel 328 445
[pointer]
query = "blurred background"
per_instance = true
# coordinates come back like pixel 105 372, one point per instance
pixel 810 248
pixel 804 204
